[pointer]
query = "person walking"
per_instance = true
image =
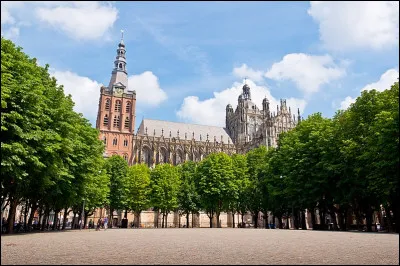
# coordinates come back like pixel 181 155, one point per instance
pixel 98 225
pixel 105 223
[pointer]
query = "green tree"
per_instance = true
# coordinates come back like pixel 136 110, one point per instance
pixel 117 170
pixel 241 178
pixel 138 189
pixel 255 198
pixel 188 197
pixel 215 183
pixel 165 186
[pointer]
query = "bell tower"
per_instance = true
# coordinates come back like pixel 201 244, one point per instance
pixel 117 108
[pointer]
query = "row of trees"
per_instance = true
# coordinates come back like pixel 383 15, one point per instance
pixel 341 166
pixel 51 156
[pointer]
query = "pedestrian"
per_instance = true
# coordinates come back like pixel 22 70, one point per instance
pixel 98 225
pixel 105 223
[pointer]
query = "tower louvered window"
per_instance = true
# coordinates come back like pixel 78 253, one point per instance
pixel 126 157
pixel 117 106
pixel 127 122
pixel 115 141
pixel 105 120
pixel 128 107
pixel 107 107
pixel 116 121
pixel 105 140
pixel 125 143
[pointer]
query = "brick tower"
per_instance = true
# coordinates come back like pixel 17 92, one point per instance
pixel 116 112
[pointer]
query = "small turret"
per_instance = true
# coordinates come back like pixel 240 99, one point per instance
pixel 298 115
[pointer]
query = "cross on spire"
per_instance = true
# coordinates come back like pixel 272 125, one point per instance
pixel 245 80
pixel 122 34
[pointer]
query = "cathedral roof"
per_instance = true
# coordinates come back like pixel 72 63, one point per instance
pixel 167 126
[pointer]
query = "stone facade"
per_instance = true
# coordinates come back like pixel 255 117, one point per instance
pixel 250 127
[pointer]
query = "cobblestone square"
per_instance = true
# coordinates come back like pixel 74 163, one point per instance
pixel 200 246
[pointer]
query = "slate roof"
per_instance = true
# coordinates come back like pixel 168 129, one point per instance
pixel 167 126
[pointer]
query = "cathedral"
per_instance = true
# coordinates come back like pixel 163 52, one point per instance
pixel 158 141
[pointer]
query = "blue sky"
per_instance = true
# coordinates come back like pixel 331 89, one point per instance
pixel 187 60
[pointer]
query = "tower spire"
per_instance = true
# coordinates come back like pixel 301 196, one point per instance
pixel 119 75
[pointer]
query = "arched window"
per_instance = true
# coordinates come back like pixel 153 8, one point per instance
pixel 116 121
pixel 125 142
pixel 120 65
pixel 117 106
pixel 105 140
pixel 128 107
pixel 115 141
pixel 126 157
pixel 107 107
pixel 127 122
pixel 105 120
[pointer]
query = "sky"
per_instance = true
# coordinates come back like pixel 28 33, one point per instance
pixel 188 60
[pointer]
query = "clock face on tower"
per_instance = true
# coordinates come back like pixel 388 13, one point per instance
pixel 118 91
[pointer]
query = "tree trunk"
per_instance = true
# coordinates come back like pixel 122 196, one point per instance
pixel 322 219
pixel 218 221
pixel 32 214
pixel 312 212
pixel 26 213
pixel 111 218
pixel 295 220
pixel 85 219
pixel 65 218
pixel 187 220
pixel 303 220
pixel 166 219
pixel 279 221
pixel 368 216
pixel 80 219
pixel 11 215
pixel 73 221
pixel 211 217
pixel 55 220
pixel 137 219
pixel 233 219
pixel 40 217
pixel 333 216
pixel 287 222
pixel 163 217
pixel 45 218
pixel 265 218
pixel 255 218
pixel 340 219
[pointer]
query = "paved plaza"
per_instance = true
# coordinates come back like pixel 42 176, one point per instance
pixel 200 246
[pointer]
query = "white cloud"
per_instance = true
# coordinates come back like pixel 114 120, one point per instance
pixel 347 102
pixel 212 111
pixel 11 33
pixel 84 91
pixel 80 20
pixel 148 91
pixel 246 72
pixel 309 72
pixel 385 82
pixel 352 25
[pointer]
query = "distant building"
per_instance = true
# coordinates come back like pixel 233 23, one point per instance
pixel 159 141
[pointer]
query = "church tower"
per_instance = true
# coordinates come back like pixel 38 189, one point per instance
pixel 116 111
